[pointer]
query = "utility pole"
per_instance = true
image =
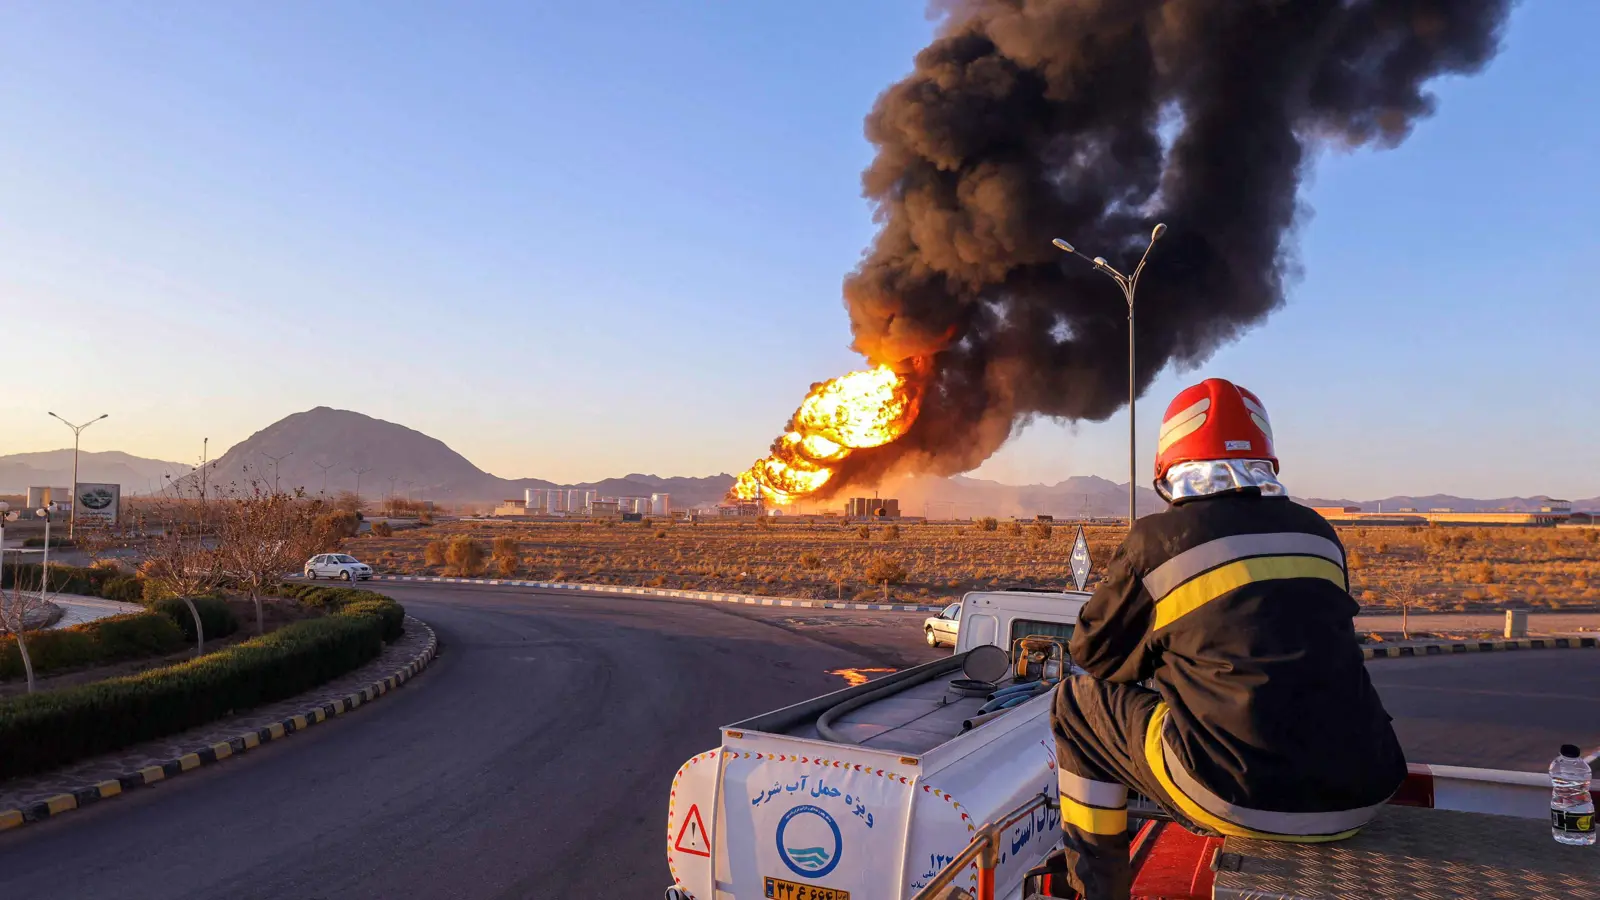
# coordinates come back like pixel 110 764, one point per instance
pixel 392 480
pixel 1129 284
pixel 205 463
pixel 275 461
pixel 72 524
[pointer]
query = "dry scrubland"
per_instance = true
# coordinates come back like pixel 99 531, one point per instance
pixel 1425 568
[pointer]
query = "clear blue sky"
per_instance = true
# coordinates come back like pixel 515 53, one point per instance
pixel 578 240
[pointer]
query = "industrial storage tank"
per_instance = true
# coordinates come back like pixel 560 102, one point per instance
pixel 576 502
pixel 661 504
pixel 533 500
pixel 589 497
pixel 558 500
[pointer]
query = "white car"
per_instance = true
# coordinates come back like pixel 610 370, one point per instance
pixel 337 565
pixel 944 628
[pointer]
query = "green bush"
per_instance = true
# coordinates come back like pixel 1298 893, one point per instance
pixel 215 616
pixel 351 602
pixel 125 588
pixel 50 729
pixel 137 635
pixel 63 579
pixel 92 644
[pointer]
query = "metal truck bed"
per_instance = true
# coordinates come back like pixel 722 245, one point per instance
pixel 913 720
pixel 1414 853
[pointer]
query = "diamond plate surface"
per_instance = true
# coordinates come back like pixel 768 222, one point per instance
pixel 1417 854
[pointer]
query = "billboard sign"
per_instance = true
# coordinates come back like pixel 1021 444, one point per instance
pixel 97 504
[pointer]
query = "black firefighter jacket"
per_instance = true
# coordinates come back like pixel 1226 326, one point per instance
pixel 1236 605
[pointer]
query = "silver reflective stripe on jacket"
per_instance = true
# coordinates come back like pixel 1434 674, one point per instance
pixel 1168 576
pixel 1104 794
pixel 1296 824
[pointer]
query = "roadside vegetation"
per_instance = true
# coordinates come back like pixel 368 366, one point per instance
pixel 1420 568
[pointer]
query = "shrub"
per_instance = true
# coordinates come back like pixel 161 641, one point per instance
pixel 988 523
pixel 506 546
pixel 382 529
pixel 892 533
pixel 47 730
pixel 883 569
pixel 507 565
pixel 93 643
pixel 464 555
pixel 55 541
pixel 864 533
pixel 339 524
pixel 1040 531
pixel 138 635
pixel 123 588
pixel 216 617
pixel 1014 529
pixel 434 553
pixel 810 561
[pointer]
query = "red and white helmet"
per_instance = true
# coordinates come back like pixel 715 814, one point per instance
pixel 1215 419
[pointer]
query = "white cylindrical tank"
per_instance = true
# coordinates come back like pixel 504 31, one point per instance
pixel 558 500
pixel 533 499
pixel 576 501
pixel 589 497
pixel 661 504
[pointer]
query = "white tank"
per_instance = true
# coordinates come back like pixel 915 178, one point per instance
pixel 661 504
pixel 575 501
pixel 589 497
pixel 558 500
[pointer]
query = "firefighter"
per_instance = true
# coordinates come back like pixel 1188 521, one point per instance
pixel 1233 607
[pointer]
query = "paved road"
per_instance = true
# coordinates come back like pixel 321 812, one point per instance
pixel 531 760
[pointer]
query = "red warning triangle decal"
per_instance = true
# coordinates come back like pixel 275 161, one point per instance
pixel 692 836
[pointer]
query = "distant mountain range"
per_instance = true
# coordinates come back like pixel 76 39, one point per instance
pixel 322 448
pixel 53 468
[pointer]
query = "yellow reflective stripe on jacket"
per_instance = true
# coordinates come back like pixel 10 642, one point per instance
pixel 1158 766
pixel 1093 819
pixel 1202 589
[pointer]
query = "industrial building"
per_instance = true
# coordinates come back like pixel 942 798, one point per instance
pixel 1552 512
pixel 863 507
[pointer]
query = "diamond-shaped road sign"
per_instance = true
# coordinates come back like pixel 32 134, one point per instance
pixel 1080 560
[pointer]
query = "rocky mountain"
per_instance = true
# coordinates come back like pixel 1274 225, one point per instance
pixel 322 449
pixel 1451 502
pixel 53 468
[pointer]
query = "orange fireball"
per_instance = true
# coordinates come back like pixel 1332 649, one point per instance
pixel 857 411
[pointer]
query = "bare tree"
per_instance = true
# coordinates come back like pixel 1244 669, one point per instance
pixel 1404 592
pixel 18 609
pixel 181 559
pixel 264 535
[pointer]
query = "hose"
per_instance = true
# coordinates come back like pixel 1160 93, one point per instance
pixel 1012 689
pixel 1001 701
pixel 826 720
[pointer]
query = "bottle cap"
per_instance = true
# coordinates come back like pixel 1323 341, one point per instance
pixel 1570 751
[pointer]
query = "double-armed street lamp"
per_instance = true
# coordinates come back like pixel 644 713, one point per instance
pixel 1129 284
pixel 72 523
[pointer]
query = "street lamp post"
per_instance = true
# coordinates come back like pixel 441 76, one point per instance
pixel 1129 284
pixel 324 469
pixel 359 472
pixel 275 461
pixel 72 523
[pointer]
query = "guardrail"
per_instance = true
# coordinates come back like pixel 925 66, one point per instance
pixel 983 849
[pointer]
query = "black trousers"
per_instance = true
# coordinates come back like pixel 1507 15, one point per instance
pixel 1100 730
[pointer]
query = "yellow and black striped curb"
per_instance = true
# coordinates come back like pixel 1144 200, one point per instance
pixel 94 793
pixel 1446 648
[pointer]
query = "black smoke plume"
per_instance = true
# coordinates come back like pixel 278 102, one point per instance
pixel 1092 120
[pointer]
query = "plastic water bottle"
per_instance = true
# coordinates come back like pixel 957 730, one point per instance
pixel 1571 806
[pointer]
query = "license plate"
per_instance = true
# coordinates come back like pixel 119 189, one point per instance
pixel 778 889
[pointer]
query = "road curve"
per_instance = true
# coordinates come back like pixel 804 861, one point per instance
pixel 533 757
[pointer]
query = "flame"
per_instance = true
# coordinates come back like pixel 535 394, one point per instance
pixel 853 677
pixel 857 411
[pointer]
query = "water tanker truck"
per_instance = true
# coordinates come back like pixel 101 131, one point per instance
pixel 939 783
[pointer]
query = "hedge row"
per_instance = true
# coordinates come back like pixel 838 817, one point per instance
pixel 89 580
pixel 350 600
pixel 43 731
pixel 167 629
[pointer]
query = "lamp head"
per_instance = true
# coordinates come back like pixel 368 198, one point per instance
pixel 1155 235
pixel 1063 245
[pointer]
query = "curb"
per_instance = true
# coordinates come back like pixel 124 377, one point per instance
pixel 1443 648
pixel 750 599
pixel 215 753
